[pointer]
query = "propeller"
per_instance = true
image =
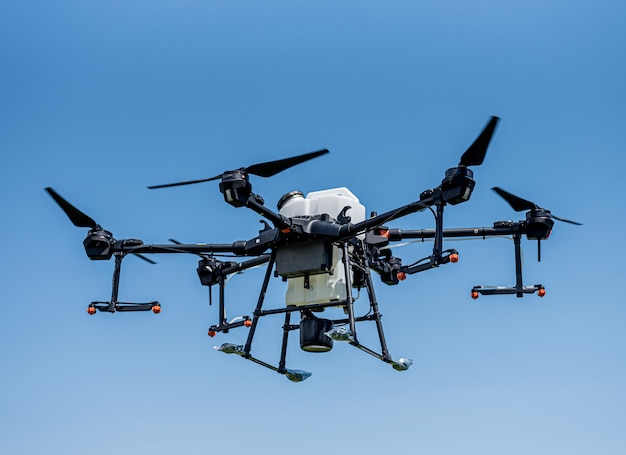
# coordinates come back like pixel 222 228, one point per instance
pixel 80 219
pixel 475 153
pixel 519 205
pixel 457 184
pixel 267 169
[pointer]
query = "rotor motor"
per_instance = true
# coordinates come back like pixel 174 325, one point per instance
pixel 236 188
pixel 98 244
pixel 539 224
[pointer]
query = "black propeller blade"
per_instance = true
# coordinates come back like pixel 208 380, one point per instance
pixel 141 256
pixel 189 182
pixel 78 218
pixel 475 154
pixel 274 167
pixel 566 221
pixel 519 205
pixel 267 169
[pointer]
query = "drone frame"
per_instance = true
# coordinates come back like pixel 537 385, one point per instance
pixel 364 246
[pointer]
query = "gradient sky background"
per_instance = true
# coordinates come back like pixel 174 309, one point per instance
pixel 100 99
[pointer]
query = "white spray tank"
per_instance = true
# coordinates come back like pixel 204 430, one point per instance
pixel 322 287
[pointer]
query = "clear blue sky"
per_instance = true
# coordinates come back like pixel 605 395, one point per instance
pixel 100 99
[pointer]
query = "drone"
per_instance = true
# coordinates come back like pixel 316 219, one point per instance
pixel 327 251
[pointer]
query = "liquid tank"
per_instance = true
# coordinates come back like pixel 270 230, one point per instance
pixel 323 287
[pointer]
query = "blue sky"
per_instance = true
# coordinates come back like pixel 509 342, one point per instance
pixel 100 99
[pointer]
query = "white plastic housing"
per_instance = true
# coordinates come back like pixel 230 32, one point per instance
pixel 323 288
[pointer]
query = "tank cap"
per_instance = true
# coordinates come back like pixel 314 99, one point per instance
pixel 286 197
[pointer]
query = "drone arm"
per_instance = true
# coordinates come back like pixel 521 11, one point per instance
pixel 239 266
pixel 237 248
pixel 400 234
pixel 456 188
pixel 501 228
pixel 440 257
pixel 334 231
pixel 348 230
pixel 436 196
pixel 255 203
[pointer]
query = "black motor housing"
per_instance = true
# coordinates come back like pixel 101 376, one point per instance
pixel 98 244
pixel 538 224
